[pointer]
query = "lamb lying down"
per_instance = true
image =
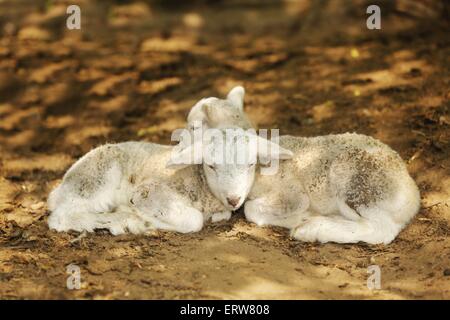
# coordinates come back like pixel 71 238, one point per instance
pixel 138 186
pixel 126 187
pixel 341 188
pixel 337 188
pixel 133 186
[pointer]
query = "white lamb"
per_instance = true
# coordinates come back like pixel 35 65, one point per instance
pixel 139 186
pixel 213 112
pixel 341 188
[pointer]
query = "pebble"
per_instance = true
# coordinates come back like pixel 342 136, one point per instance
pixel 37 206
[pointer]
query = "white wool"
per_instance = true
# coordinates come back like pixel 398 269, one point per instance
pixel 337 188
pixel 133 187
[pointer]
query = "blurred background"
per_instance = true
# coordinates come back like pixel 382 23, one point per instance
pixel 135 69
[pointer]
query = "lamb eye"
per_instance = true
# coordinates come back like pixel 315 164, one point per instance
pixel 211 167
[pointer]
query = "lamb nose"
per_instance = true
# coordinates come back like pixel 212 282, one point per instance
pixel 233 201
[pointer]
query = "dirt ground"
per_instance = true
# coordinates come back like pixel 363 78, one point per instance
pixel 133 72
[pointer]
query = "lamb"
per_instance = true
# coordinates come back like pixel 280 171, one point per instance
pixel 343 188
pixel 138 186
pixel 126 187
pixel 213 112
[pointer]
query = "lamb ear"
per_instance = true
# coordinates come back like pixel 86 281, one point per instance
pixel 268 150
pixel 185 157
pixel 206 110
pixel 236 97
pixel 197 112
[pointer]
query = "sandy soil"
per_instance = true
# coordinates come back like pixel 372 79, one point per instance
pixel 134 71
